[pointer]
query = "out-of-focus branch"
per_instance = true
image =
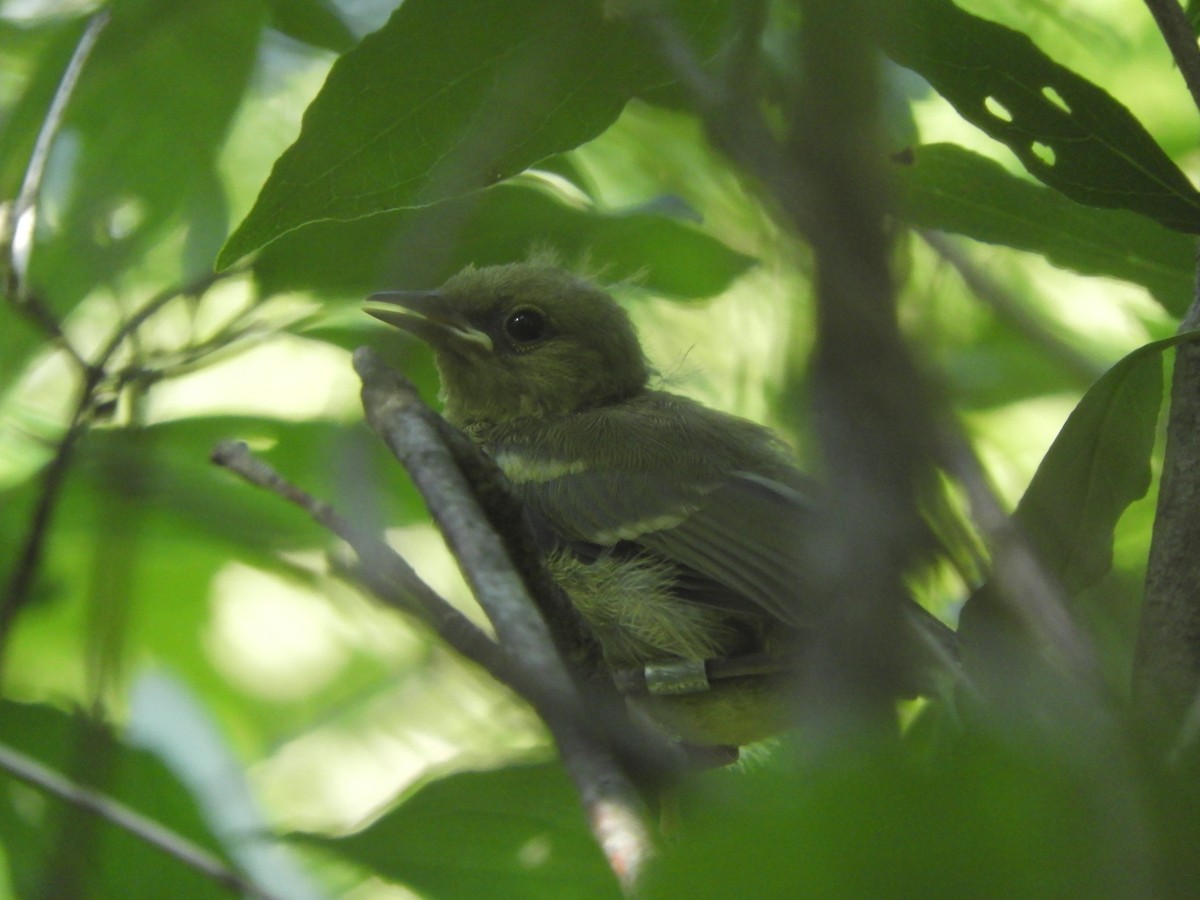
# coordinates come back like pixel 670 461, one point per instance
pixel 881 428
pixel 17 252
pixel 593 758
pixel 821 172
pixel 20 583
pixel 153 833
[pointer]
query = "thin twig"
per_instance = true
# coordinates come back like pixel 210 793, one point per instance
pixel 1177 32
pixel 388 576
pixel 152 306
pixel 23 217
pixel 24 213
pixel 20 582
pixel 113 811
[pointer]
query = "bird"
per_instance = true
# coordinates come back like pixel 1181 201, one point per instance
pixel 673 528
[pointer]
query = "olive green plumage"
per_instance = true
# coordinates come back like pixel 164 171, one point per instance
pixel 673 528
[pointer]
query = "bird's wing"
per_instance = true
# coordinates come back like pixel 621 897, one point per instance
pixel 746 535
pixel 738 529
pixel 679 498
pixel 739 541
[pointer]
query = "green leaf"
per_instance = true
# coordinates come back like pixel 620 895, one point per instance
pixel 18 340
pixel 499 225
pixel 1096 467
pixel 140 136
pixel 948 188
pixel 1068 132
pixel 445 100
pixel 317 23
pixel 118 864
pixel 987 818
pixel 516 832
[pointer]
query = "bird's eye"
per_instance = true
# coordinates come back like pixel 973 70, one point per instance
pixel 525 326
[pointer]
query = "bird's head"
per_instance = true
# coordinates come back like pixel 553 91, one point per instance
pixel 521 340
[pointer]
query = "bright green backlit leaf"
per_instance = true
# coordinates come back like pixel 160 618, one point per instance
pixel 1068 132
pixel 947 188
pixel 1096 467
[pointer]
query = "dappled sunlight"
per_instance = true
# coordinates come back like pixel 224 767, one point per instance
pixel 272 639
pixel 285 378
pixel 445 716
pixel 1011 440
pixel 731 352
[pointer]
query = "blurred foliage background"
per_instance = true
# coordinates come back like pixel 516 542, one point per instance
pixel 177 639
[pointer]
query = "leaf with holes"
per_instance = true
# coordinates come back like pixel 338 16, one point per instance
pixel 1068 132
pixel 948 188
pixel 1096 467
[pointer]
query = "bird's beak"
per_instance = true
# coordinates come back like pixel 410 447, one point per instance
pixel 428 315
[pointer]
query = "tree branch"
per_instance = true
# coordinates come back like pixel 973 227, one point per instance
pixel 594 757
pixel 1166 666
pixel 584 731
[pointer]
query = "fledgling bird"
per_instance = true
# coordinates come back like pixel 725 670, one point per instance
pixel 674 529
